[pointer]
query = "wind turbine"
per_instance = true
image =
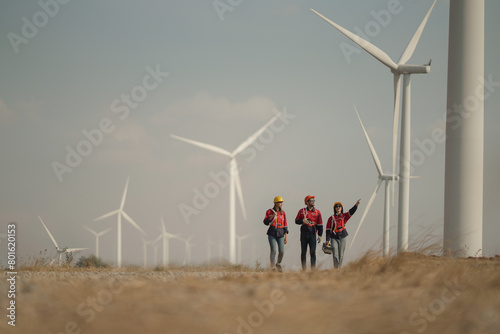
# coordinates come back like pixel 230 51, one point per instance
pixel 97 235
pixel 187 241
pixel 234 183
pixel 120 212
pixel 398 69
pixel 240 239
pixel 59 250
pixel 166 236
pixel 145 244
pixel 155 247
pixel 221 250
pixel 210 243
pixel 381 177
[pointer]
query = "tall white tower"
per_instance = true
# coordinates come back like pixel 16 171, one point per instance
pixel 463 201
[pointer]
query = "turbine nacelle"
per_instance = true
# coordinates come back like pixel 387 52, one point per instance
pixel 412 69
pixel 386 177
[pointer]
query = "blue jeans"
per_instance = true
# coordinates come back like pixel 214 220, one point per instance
pixel 305 240
pixel 338 251
pixel 273 241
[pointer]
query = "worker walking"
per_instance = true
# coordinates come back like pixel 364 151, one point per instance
pixel 277 232
pixel 336 232
pixel 311 224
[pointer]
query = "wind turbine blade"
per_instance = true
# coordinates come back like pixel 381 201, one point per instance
pixel 366 210
pixel 106 215
pixel 376 160
pixel 50 234
pixel 253 137
pixel 416 37
pixel 397 93
pixel 127 217
pixel 203 145
pixel 74 249
pixel 364 44
pixel 124 193
pixel 104 232
pixel 163 230
pixel 237 183
pixel 91 231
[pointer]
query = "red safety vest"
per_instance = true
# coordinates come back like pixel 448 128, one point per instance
pixel 279 218
pixel 337 223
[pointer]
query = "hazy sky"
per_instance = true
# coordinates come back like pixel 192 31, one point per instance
pixel 128 74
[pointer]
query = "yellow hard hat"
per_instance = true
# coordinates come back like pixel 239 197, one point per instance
pixel 278 199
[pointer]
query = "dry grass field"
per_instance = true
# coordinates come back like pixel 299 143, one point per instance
pixel 409 293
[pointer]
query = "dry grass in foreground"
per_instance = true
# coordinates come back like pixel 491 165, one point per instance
pixel 409 293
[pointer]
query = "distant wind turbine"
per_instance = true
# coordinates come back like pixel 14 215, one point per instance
pixel 210 243
pixel 189 245
pixel 166 236
pixel 240 239
pixel 120 212
pixel 381 177
pixel 60 251
pixel 97 235
pixel 145 244
pixel 155 248
pixel 221 250
pixel 234 183
pixel 398 69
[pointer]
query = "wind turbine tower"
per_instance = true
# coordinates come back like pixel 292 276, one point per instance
pixel 464 159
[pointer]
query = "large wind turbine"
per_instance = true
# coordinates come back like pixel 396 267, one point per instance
pixel 166 236
pixel 398 69
pixel 234 182
pixel 60 251
pixel 120 212
pixel 381 177
pixel 97 235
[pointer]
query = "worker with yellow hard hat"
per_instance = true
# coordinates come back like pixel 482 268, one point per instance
pixel 277 232
pixel 336 231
